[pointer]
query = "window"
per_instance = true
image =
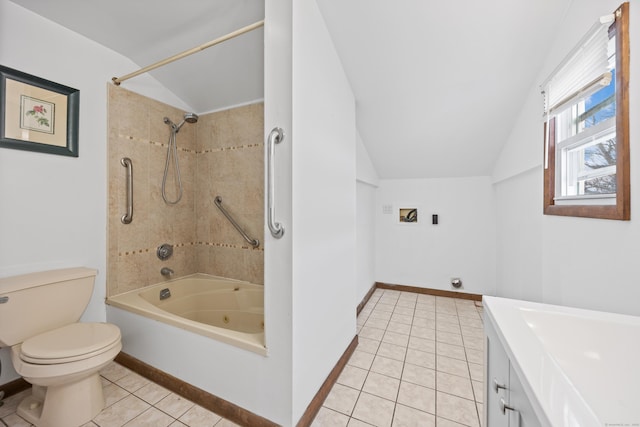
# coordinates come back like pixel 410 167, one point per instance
pixel 587 126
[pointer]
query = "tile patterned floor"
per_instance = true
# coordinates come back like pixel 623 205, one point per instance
pixel 132 401
pixel 419 363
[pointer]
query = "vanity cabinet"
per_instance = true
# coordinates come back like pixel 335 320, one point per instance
pixel 506 404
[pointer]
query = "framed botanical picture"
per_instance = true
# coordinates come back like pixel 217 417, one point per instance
pixel 38 114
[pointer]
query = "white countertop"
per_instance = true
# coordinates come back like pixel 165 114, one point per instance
pixel 580 368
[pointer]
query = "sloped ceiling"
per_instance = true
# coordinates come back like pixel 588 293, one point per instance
pixel 438 84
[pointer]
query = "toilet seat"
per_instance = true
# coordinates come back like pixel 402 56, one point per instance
pixel 70 343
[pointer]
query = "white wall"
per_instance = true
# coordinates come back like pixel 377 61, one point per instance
pixel 425 255
pixel 53 208
pixel 366 187
pixel 579 262
pixel 324 205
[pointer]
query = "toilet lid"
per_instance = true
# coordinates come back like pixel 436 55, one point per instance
pixel 73 342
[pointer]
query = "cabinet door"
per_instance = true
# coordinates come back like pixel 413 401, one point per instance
pixel 522 415
pixel 497 374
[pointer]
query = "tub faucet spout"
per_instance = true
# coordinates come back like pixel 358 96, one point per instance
pixel 166 272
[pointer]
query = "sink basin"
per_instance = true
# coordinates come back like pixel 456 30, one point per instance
pixel 579 368
pixel 598 356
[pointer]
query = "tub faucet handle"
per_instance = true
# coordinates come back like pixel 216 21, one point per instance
pixel 166 272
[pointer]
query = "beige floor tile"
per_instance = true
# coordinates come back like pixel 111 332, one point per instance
pixel 174 405
pixel 132 382
pixel 387 366
pixel 421 358
pixel 368 345
pixel 198 416
pixel 480 407
pixel 360 359
pixel 418 375
pixel 395 338
pixel 446 309
pixel 385 306
pixel 121 412
pixel 405 416
pixel 401 328
pixel 424 322
pixel 443 422
pixel 478 391
pixel 423 332
pixel 455 385
pixel 381 386
pixel 11 403
pixel 447 318
pixel 402 318
pixel 374 322
pixel 152 417
pixel 342 399
pixel 371 333
pixel 392 351
pixel 457 409
pixel 471 332
pixel 474 356
pixel 13 420
pixel 407 311
pixel 422 344
pixel 449 338
pixel 353 377
pixel 353 422
pixel 417 397
pixel 452 366
pixel 381 314
pixel 152 393
pixel 226 423
pixel 471 321
pixel 406 303
pixel 474 343
pixel 453 328
pixel 374 410
pixel 476 371
pixel 450 350
pixel 424 313
pixel 113 372
pixel 329 418
pixel 113 393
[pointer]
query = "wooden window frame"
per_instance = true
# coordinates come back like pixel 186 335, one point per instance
pixel 622 209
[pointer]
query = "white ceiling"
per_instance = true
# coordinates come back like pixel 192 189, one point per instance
pixel 438 84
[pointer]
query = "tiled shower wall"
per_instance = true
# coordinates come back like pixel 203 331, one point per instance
pixel 222 154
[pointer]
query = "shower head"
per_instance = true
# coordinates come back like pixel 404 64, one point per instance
pixel 190 117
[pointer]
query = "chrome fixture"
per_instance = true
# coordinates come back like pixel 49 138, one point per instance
pixel 275 137
pixel 456 282
pixel 253 242
pixel 165 293
pixel 166 272
pixel 164 251
pixel 128 217
pixel 172 150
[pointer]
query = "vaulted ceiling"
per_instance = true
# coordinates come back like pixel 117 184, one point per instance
pixel 437 84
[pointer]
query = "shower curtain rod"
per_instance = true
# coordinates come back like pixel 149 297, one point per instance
pixel 118 80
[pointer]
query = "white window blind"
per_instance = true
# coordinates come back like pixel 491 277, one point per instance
pixel 583 71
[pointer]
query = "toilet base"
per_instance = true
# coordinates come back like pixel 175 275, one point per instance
pixel 66 405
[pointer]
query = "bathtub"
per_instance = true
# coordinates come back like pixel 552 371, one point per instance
pixel 226 310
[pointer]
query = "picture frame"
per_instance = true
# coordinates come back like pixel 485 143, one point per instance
pixel 37 114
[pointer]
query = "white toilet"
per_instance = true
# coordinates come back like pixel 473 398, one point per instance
pixel 58 356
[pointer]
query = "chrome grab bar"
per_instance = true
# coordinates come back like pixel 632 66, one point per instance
pixel 276 136
pixel 253 242
pixel 128 217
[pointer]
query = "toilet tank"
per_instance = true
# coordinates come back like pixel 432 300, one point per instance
pixel 33 303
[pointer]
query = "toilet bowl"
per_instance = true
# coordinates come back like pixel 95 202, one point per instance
pixel 58 356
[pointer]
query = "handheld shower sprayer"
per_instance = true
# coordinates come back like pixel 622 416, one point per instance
pixel 172 150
